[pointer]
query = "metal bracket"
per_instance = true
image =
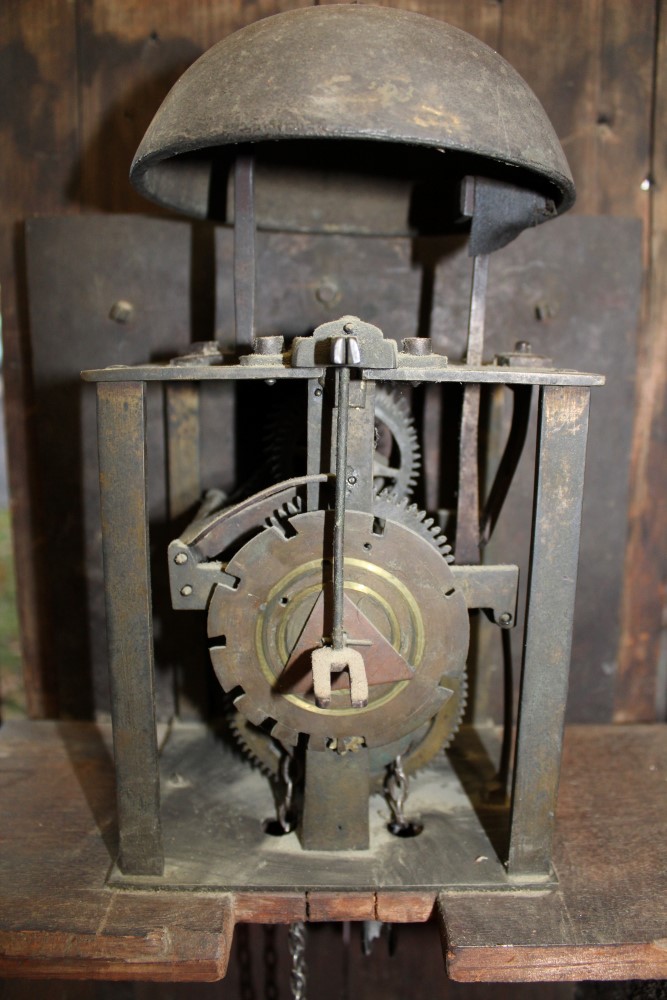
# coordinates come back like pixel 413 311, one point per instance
pixel 491 588
pixel 347 340
pixel 192 580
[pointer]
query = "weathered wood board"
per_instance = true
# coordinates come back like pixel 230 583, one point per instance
pixel 607 919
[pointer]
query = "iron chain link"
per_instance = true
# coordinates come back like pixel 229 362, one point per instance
pixel 297 947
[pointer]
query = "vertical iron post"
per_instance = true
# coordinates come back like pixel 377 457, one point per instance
pixel 557 504
pixel 467 508
pixel 122 454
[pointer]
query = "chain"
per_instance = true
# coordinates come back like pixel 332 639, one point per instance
pixel 297 947
pixel 285 816
pixel 396 791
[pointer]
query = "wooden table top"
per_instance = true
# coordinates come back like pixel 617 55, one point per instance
pixel 58 917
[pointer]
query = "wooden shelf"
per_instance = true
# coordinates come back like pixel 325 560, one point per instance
pixel 58 917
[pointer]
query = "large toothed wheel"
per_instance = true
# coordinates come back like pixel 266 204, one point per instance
pixel 401 602
pixel 396 457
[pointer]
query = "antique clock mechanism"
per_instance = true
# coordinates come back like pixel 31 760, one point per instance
pixel 337 608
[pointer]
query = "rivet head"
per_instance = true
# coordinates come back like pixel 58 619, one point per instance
pixel 186 590
pixel 121 311
pixel 180 558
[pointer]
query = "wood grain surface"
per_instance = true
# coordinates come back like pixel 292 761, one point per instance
pixel 606 920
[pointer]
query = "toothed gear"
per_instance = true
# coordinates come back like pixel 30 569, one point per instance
pixel 396 460
pixel 388 504
pixel 420 747
pixel 264 629
pixel 265 753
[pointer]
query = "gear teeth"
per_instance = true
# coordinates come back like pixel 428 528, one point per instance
pixel 236 725
pixel 388 504
pixel 463 702
pixel 243 704
pixel 393 411
pixel 282 514
pixel 223 668
pixel 285 735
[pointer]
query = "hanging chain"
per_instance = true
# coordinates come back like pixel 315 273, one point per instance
pixel 285 814
pixel 297 947
pixel 396 791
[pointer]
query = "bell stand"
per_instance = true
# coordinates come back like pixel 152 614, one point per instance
pixel 563 416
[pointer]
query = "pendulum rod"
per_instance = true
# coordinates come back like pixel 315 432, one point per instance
pixel 343 393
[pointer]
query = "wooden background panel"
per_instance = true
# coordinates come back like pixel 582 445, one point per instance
pixel 641 691
pixel 39 141
pixel 591 65
pixel 481 18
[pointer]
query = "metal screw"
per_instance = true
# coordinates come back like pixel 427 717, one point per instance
pixel 328 293
pixel 351 480
pixel 121 311
pixel 318 393
pixel 180 558
pixel 269 381
pixel 186 590
pixel 505 618
pixel 348 328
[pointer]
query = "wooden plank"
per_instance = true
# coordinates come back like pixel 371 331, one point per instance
pixel 341 906
pixel 641 682
pixel 269 908
pixel 591 66
pixel 623 111
pixel 39 139
pixel 404 907
pixel 480 17
pixel 606 920
pixel 554 46
pixel 79 929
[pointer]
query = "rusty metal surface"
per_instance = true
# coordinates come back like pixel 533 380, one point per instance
pixel 335 814
pixel 182 420
pixel 254 628
pixel 488 374
pixel 121 414
pixel 214 830
pixel 352 73
pixel 244 250
pixel 582 273
pixel 559 489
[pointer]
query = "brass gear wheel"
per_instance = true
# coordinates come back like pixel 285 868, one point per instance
pixel 420 747
pixel 414 669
